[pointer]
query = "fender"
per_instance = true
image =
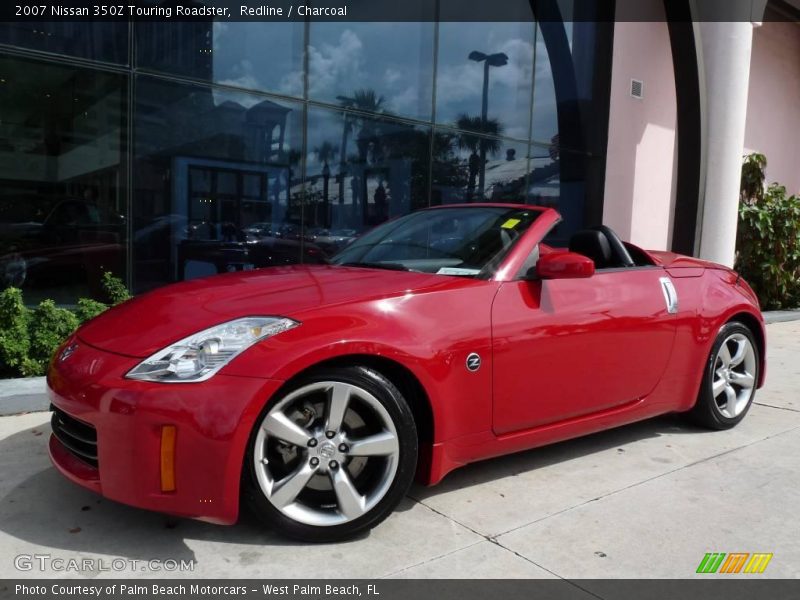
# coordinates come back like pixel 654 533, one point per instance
pixel 738 299
pixel 711 300
pixel 406 330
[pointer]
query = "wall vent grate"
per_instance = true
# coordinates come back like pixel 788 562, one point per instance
pixel 637 88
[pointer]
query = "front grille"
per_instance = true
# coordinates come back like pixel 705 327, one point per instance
pixel 78 437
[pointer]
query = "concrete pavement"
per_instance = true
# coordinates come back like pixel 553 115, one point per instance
pixel 647 500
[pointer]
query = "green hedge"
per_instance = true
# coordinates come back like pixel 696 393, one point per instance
pixel 768 238
pixel 28 337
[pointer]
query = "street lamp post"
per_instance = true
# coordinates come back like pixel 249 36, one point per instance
pixel 498 59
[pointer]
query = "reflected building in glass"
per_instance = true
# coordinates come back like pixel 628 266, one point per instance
pixel 169 151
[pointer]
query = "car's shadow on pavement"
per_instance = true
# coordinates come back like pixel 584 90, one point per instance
pixel 52 513
pixel 511 465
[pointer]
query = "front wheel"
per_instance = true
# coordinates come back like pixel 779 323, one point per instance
pixel 730 379
pixel 333 456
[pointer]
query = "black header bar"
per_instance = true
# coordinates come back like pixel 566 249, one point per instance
pixel 394 10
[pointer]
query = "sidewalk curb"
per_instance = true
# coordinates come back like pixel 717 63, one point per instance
pixel 25 394
pixel 781 316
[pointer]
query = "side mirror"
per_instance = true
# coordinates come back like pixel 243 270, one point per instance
pixel 564 265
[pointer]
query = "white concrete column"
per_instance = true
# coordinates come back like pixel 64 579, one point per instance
pixel 726 51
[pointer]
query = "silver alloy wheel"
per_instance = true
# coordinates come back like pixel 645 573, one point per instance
pixel 734 375
pixel 326 447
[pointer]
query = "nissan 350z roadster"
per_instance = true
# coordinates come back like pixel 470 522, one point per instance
pixel 318 393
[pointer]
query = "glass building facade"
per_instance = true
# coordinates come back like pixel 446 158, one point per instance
pixel 168 151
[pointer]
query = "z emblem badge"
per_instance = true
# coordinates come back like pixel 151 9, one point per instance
pixel 473 362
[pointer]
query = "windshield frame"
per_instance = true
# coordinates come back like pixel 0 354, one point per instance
pixel 378 235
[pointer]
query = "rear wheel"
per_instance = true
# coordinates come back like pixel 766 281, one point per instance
pixel 333 456
pixel 729 382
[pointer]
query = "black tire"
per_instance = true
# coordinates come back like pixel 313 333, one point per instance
pixel 706 411
pixel 397 408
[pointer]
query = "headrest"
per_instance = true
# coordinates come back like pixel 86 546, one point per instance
pixel 592 244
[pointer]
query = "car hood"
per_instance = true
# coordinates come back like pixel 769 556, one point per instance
pixel 148 323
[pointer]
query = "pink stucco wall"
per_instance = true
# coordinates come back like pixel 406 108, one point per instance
pixel 773 108
pixel 639 188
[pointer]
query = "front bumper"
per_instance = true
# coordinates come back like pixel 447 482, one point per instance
pixel 213 421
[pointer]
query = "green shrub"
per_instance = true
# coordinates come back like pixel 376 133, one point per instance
pixel 89 309
pixel 14 341
pixel 753 177
pixel 49 326
pixel 28 338
pixel 768 238
pixel 115 289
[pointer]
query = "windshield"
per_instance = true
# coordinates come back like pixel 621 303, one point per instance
pixel 462 241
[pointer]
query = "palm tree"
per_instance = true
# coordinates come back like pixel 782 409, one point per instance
pixel 363 100
pixel 347 126
pixel 368 101
pixel 324 153
pixel 473 129
pixel 473 138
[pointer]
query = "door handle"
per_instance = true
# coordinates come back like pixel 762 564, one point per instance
pixel 670 295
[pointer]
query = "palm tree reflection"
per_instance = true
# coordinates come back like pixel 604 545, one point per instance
pixel 363 100
pixel 324 153
pixel 473 138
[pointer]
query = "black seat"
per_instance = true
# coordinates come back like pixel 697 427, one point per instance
pixel 603 246
pixel 489 243
pixel 618 249
pixel 592 244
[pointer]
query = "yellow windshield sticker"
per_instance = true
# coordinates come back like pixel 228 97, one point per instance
pixel 510 224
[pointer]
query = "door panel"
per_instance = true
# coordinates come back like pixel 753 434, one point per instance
pixel 571 347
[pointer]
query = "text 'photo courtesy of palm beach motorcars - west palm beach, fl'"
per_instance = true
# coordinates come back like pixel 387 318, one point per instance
pixel 317 393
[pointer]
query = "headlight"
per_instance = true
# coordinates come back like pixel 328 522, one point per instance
pixel 199 356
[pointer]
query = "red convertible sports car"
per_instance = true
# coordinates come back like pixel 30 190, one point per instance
pixel 450 335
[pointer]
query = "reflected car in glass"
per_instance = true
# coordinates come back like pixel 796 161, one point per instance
pixel 317 393
pixel 331 240
pixel 258 230
pixel 68 240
